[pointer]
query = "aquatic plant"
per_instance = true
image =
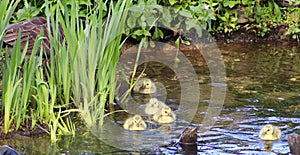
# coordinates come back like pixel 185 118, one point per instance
pixel 95 60
pixel 79 72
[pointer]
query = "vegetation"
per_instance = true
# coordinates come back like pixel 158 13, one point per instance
pixel 257 17
pixel 218 17
pixel 39 94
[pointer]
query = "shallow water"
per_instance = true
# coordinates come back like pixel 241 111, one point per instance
pixel 262 87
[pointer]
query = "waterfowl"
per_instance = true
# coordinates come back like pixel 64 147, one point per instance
pixel 29 30
pixel 153 106
pixel 144 86
pixel 164 115
pixel 135 123
pixel 269 132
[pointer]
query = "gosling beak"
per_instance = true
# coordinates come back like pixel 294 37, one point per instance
pixel 138 125
pixel 144 86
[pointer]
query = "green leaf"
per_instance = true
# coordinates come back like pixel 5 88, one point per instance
pixel 131 20
pixel 196 9
pixel 166 17
pixel 157 34
pixel 277 11
pixel 185 13
pixel 177 7
pixel 222 18
pixel 227 15
pixel 141 33
pixel 190 23
pixel 172 2
pixel 232 3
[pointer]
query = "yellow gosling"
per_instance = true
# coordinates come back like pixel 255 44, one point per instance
pixel 144 86
pixel 153 106
pixel 270 132
pixel 135 123
pixel 164 115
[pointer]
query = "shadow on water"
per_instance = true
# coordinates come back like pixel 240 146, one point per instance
pixel 263 86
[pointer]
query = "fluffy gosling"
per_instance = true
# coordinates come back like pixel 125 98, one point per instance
pixel 164 115
pixel 270 132
pixel 153 106
pixel 135 123
pixel 144 86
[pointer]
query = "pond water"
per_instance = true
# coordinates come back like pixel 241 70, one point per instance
pixel 262 87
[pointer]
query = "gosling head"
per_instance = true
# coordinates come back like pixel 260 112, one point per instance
pixel 154 102
pixel 166 111
pixel 144 86
pixel 147 84
pixel 267 129
pixel 137 120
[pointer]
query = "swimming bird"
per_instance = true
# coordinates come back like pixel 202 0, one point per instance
pixel 153 106
pixel 135 123
pixel 144 86
pixel 270 132
pixel 164 115
pixel 30 29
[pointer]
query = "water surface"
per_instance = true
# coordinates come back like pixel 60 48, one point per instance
pixel 262 87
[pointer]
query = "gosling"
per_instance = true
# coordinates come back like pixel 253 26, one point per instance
pixel 164 115
pixel 153 106
pixel 270 132
pixel 144 86
pixel 135 123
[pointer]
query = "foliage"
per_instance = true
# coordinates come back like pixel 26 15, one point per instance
pixel 216 16
pixel 292 18
pixel 29 9
pixel 38 93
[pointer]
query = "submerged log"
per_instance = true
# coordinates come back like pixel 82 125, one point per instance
pixel 294 143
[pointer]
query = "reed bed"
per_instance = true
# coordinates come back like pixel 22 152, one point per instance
pixel 78 78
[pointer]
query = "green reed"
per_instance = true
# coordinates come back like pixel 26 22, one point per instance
pixel 80 71
pixel 95 60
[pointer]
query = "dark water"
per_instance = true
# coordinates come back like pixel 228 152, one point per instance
pixel 262 87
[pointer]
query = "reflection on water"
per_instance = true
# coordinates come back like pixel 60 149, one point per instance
pixel 263 83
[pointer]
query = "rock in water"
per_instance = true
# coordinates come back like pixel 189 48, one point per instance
pixel 6 150
pixel 294 143
pixel 188 136
pixel 30 29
